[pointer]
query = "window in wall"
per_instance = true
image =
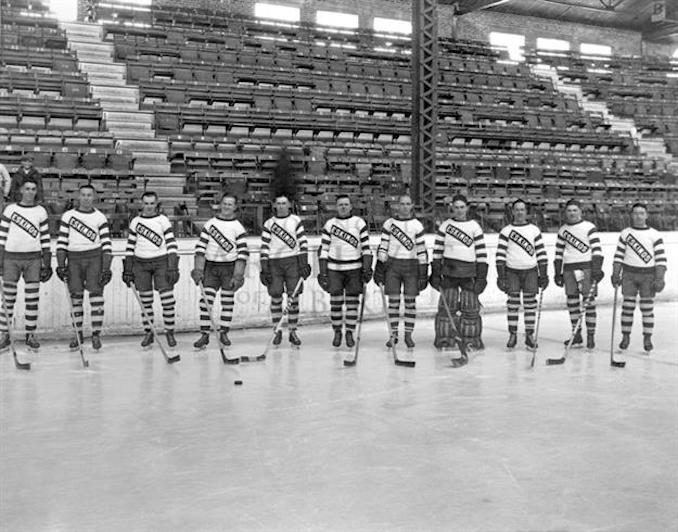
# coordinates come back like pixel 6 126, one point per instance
pixel 337 20
pixel 511 42
pixel 392 25
pixel 277 12
pixel 595 49
pixel 554 45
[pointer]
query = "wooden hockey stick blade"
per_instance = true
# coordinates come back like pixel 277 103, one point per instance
pixel 459 362
pixel 555 361
pixel 350 363
pixel 617 364
pixel 25 366
pixel 227 360
pixel 173 359
pixel 256 358
pixel 405 363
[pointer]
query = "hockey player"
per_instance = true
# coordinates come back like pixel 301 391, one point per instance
pixel 639 267
pixel 402 266
pixel 284 260
pixel 151 262
pixel 459 272
pixel 24 251
pixel 345 267
pixel 84 261
pixel 578 265
pixel 220 258
pixel 522 267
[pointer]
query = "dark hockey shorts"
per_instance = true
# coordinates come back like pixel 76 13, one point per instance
pixel 284 276
pixel 572 282
pixel 526 281
pixel 26 264
pixel 150 274
pixel 84 271
pixel 638 283
pixel 349 282
pixel 218 275
pixel 402 274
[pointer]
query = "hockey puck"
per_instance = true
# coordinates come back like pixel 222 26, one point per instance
pixel 237 383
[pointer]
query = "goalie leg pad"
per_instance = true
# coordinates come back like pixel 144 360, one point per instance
pixel 471 322
pixel 444 334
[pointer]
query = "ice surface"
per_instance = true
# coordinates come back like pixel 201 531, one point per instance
pixel 305 444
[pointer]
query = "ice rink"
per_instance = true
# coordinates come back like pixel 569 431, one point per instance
pixel 305 444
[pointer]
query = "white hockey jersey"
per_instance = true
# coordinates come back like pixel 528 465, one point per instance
pixel 402 239
pixel 463 241
pixel 640 249
pixel 24 229
pixel 577 244
pixel 343 243
pixel 150 237
pixel 222 240
pixel 283 237
pixel 521 247
pixel 83 231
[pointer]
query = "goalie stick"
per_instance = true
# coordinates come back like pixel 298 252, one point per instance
pixel 224 358
pixel 26 366
pixel 392 336
pixel 536 329
pixel 85 362
pixel 278 327
pixel 585 303
pixel 168 359
pixel 614 363
pixel 352 361
pixel 456 362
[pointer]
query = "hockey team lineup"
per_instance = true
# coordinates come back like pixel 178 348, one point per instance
pixel 400 267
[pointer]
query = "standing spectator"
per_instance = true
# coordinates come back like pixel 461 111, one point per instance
pixel 5 183
pixel 23 173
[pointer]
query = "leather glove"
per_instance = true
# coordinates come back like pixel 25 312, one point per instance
pixel 105 277
pixel 238 279
pixel 542 272
pixel 366 273
pixel 323 275
pixel 597 269
pixel 615 279
pixel 46 267
pixel 480 283
pixel 172 269
pixel 380 272
pixel 62 273
pixel 198 271
pixel 62 266
pixel 558 273
pixel 658 283
pixel 502 282
pixel 423 277
pixel 128 271
pixel 435 279
pixel 304 266
pixel 265 274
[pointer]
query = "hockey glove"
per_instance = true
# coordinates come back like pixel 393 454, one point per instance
pixel 303 265
pixel 265 274
pixel 436 278
pixel 616 274
pixel 502 282
pixel 480 283
pixel 172 269
pixel 198 271
pixel 380 273
pixel 46 267
pixel 105 277
pixel 423 277
pixel 62 273
pixel 597 269
pixel 323 276
pixel 558 273
pixel 542 272
pixel 659 284
pixel 128 271
pixel 238 278
pixel 366 273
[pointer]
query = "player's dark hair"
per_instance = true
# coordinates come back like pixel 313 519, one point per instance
pixel 282 196
pixel 638 205
pixel 87 186
pixel 228 195
pixel 520 200
pixel 460 197
pixel 574 202
pixel 149 194
pixel 342 196
pixel 30 181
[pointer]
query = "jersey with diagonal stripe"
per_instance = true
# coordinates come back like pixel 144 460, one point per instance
pixel 150 237
pixel 343 243
pixel 460 240
pixel 577 244
pixel 640 249
pixel 24 229
pixel 283 237
pixel 83 231
pixel 222 240
pixel 402 239
pixel 521 247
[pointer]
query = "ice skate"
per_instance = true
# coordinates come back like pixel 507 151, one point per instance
pixel 201 343
pixel 590 341
pixel 294 339
pixel 350 341
pixel 336 341
pixel 409 342
pixel 512 340
pixel 4 342
pixel 96 341
pixel 647 343
pixel 393 340
pixel 224 339
pixel 147 339
pixel 530 341
pixel 171 340
pixel 577 342
pixel 74 345
pixel 32 342
pixel 625 341
pixel 277 339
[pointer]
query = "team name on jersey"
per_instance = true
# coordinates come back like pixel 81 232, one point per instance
pixel 640 250
pixel 283 235
pixel 575 242
pixel 458 234
pixel 25 224
pixel 515 236
pixel 219 238
pixel 344 235
pixel 150 235
pixel 86 231
pixel 401 237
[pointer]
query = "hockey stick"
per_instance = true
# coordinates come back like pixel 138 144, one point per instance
pixel 85 362
pixel 536 329
pixel 352 361
pixel 614 363
pixel 278 327
pixel 19 365
pixel 585 303
pixel 456 362
pixel 224 358
pixel 392 336
pixel 168 359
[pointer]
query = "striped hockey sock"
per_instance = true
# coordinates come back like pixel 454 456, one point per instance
pixel 336 304
pixel 96 303
pixel 530 307
pixel 227 303
pixel 293 316
pixel 573 309
pixel 205 322
pixel 32 296
pixel 147 301
pixel 513 308
pixel 77 302
pixel 647 309
pixel 167 302
pixel 10 300
pixel 591 317
pixel 276 310
pixel 410 313
pixel 394 313
pixel 628 308
pixel 351 312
